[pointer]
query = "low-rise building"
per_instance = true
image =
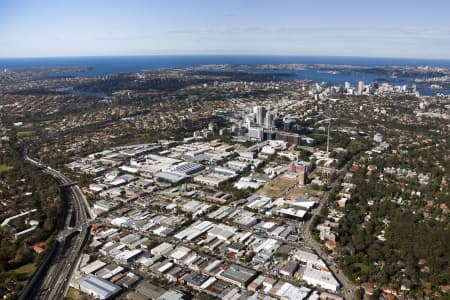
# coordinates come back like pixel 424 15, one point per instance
pixel 98 288
pixel 238 275
pixel 320 278
pixel 162 249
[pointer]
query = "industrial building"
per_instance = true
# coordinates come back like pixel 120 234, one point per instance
pixel 238 275
pixel 98 288
pixel 216 177
pixel 320 278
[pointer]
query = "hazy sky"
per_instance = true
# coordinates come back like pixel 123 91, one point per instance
pixel 394 28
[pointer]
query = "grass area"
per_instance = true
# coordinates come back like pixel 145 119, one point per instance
pixel 27 269
pixel 5 168
pixel 25 133
pixel 74 294
pixel 303 191
pixel 24 273
pixel 278 186
pixel 48 122
pixel 364 268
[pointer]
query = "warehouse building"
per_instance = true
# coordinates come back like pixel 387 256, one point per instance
pixel 320 278
pixel 238 275
pixel 216 177
pixel 187 168
pixel 162 249
pixel 93 267
pixel 98 288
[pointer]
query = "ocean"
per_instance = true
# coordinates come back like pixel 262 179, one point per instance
pixel 101 66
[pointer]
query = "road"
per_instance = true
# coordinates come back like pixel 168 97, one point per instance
pixel 55 282
pixel 348 288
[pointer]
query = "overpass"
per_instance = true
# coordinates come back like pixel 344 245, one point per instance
pixel 69 184
pixel 68 231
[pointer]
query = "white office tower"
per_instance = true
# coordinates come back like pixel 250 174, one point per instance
pixel 347 85
pixel 260 112
pixel 256 133
pixel 360 87
pixel 268 121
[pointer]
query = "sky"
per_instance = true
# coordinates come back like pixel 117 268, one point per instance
pixel 394 28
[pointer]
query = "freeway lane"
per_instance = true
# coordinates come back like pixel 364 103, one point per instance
pixel 54 282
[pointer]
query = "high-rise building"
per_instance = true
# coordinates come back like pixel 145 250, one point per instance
pixel 360 87
pixel 268 121
pixel 260 112
pixel 256 133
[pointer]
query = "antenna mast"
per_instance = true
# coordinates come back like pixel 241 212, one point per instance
pixel 328 138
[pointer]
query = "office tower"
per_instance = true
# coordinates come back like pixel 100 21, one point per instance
pixel 256 134
pixel 360 87
pixel 260 112
pixel 268 121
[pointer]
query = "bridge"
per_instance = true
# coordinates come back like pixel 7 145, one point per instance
pixel 68 231
pixel 69 184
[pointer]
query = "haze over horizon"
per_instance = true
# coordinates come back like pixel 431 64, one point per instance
pixel 404 29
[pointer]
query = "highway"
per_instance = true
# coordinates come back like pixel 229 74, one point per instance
pixel 71 239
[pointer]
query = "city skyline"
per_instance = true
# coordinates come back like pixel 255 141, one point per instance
pixel 320 28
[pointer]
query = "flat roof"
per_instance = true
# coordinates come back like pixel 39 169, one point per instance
pixel 239 273
pixel 93 267
pixel 101 287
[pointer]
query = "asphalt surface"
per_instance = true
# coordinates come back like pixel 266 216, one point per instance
pixel 71 239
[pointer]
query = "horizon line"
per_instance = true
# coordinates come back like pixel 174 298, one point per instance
pixel 224 54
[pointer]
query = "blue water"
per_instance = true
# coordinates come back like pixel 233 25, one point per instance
pixel 78 92
pixel 101 66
